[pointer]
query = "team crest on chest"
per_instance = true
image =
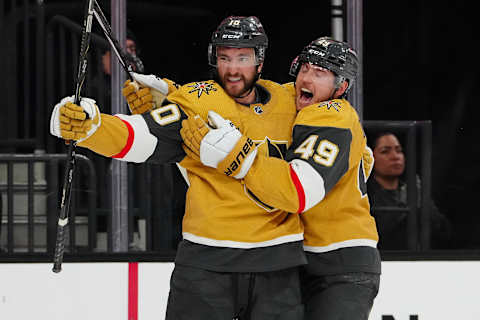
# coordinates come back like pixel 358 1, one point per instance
pixel 202 87
pixel 258 109
pixel 331 104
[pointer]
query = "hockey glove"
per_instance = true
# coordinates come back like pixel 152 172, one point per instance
pixel 225 148
pixel 72 122
pixel 192 132
pixel 145 93
pixel 367 161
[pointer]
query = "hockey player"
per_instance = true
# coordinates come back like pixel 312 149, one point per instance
pixel 238 258
pixel 323 179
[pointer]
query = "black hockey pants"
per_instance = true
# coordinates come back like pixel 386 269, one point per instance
pixel 197 294
pixel 346 296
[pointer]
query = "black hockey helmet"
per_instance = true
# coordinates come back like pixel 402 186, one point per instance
pixel 239 32
pixel 336 56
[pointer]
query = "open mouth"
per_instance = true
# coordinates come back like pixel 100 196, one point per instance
pixel 234 79
pixel 306 96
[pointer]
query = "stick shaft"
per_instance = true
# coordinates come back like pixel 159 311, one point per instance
pixel 107 30
pixel 70 165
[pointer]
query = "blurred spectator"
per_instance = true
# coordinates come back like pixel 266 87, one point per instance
pixel 387 188
pixel 103 78
pixel 132 50
pixel 103 93
pixel 168 192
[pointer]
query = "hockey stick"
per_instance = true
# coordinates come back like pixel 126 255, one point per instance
pixel 70 165
pixel 107 30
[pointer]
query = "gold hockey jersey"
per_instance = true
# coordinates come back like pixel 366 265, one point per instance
pixel 220 212
pixel 324 178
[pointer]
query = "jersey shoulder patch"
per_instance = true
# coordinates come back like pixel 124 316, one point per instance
pixel 197 89
pixel 199 97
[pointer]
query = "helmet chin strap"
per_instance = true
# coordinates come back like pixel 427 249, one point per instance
pixel 337 87
pixel 333 94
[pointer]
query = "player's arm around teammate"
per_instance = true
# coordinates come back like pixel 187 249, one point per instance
pixel 234 261
pixel 323 179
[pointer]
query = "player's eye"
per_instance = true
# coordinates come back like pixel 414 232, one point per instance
pixel 223 59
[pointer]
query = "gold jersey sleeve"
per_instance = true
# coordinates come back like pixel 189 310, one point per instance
pixel 110 138
pixel 271 180
pixel 172 85
pixel 113 134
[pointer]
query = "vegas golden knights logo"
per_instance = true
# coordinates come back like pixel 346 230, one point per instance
pixel 202 87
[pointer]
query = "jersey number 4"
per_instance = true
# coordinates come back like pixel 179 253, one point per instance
pixel 325 153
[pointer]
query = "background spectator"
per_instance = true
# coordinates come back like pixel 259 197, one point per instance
pixel 132 49
pixel 387 188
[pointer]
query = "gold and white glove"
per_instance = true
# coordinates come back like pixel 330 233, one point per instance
pixel 220 146
pixel 145 93
pixel 192 132
pixel 72 122
pixel 368 161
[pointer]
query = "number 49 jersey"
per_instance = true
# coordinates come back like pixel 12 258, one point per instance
pixel 323 178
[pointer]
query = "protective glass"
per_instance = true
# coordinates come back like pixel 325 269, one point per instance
pixel 241 60
pixel 316 72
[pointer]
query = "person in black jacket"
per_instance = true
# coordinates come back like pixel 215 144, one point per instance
pixel 387 188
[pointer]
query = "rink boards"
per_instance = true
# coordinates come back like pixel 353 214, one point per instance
pixel 423 290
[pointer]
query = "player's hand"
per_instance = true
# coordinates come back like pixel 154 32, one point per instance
pixel 145 93
pixel 368 161
pixel 192 132
pixel 72 122
pixel 225 148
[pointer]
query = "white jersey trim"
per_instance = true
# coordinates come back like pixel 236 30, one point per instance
pixel 312 182
pixel 242 245
pixel 144 142
pixel 342 244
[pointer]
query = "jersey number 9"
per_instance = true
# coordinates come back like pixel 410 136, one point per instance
pixel 325 154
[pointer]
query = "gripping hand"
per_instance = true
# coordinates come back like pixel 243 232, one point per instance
pixel 145 93
pixel 72 122
pixel 192 132
pixel 225 148
pixel 368 161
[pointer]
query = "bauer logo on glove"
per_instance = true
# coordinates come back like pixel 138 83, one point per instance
pixel 239 153
pixel 220 144
pixel 224 147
